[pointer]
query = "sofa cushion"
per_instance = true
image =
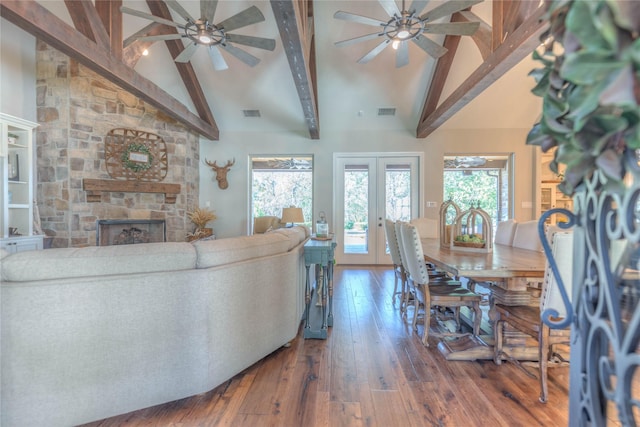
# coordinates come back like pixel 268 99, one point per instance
pixel 295 234
pixel 211 253
pixel 98 261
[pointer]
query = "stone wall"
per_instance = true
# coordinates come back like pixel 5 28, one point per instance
pixel 76 109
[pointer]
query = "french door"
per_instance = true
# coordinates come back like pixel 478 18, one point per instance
pixel 368 190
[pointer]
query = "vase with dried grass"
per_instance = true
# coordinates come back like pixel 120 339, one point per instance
pixel 201 217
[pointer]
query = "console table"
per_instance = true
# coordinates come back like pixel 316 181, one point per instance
pixel 320 253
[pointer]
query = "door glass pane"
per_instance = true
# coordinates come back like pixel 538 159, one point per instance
pixel 356 209
pixel 398 192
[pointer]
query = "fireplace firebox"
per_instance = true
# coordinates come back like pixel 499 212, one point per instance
pixel 130 231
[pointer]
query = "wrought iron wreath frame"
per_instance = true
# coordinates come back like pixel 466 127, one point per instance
pixel 605 314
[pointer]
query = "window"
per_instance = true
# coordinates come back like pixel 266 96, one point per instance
pixel 479 181
pixel 279 182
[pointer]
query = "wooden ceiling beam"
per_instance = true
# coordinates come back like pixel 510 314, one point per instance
pixel 440 75
pixel 38 21
pixel 133 49
pixel 111 17
pixel 296 26
pixel 86 20
pixel 515 47
pixel 186 71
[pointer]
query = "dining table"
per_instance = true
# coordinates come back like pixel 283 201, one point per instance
pixel 512 276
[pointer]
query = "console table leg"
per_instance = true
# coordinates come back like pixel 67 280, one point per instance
pixel 330 288
pixel 324 297
pixel 307 301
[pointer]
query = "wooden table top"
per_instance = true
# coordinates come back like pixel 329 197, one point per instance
pixel 504 262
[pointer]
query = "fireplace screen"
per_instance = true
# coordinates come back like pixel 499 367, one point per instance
pixel 130 231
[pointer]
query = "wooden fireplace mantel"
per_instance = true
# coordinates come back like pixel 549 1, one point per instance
pixel 95 187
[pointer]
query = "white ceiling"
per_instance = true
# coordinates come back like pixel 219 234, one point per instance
pixel 349 94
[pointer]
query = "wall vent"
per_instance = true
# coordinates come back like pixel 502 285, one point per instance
pixel 386 111
pixel 251 113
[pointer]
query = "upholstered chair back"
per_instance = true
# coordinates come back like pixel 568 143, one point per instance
pixel 562 250
pixel 392 242
pixel 427 227
pixel 401 252
pixel 414 255
pixel 505 231
pixel 526 236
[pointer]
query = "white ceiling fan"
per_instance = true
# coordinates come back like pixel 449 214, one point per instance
pixel 407 25
pixel 203 32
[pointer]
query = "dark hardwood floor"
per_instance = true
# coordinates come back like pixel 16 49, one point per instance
pixel 371 371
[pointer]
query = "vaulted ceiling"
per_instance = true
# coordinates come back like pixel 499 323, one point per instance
pixel 307 83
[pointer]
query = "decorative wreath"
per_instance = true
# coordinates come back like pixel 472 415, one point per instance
pixel 136 166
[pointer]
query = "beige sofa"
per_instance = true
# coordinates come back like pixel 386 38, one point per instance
pixel 94 332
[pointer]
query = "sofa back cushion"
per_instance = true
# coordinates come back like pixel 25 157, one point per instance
pixel 295 234
pixel 211 253
pixel 98 261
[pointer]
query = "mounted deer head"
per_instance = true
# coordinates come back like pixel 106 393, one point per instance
pixel 221 172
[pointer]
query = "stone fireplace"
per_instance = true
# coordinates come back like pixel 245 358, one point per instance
pixel 76 110
pixel 130 232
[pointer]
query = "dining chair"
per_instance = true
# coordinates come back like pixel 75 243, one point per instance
pixel 408 293
pixel 398 268
pixel 427 227
pixel 504 236
pixel 504 232
pixel 526 236
pixel 433 295
pixel 528 320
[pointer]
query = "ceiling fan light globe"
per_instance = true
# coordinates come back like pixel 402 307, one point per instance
pixel 204 38
pixel 403 34
pixel 395 44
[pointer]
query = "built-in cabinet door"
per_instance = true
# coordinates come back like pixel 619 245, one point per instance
pixel 369 190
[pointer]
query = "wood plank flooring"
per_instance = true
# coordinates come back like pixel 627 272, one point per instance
pixel 371 371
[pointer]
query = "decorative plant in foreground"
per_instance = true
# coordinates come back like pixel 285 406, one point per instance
pixel 590 85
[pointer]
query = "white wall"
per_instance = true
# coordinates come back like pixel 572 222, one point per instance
pixel 17 72
pixel 232 205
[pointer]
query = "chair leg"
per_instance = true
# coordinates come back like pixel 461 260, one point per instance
pixel 427 318
pixel 497 345
pixel 395 287
pixel 477 318
pixel 543 353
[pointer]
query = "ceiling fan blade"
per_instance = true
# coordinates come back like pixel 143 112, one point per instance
pixel 358 39
pixel 390 7
pixel 257 42
pixel 180 10
pixel 187 53
pixel 208 9
pixel 417 6
pixel 346 16
pixel 248 16
pixel 243 56
pixel 218 61
pixel 432 48
pixel 453 28
pixel 151 17
pixel 402 54
pixel 160 37
pixel 373 52
pixel 448 8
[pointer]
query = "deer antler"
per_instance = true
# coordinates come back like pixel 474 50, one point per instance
pixel 213 165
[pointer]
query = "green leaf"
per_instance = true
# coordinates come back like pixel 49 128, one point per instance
pixel 580 22
pixel 610 163
pixel 619 91
pixel 588 67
